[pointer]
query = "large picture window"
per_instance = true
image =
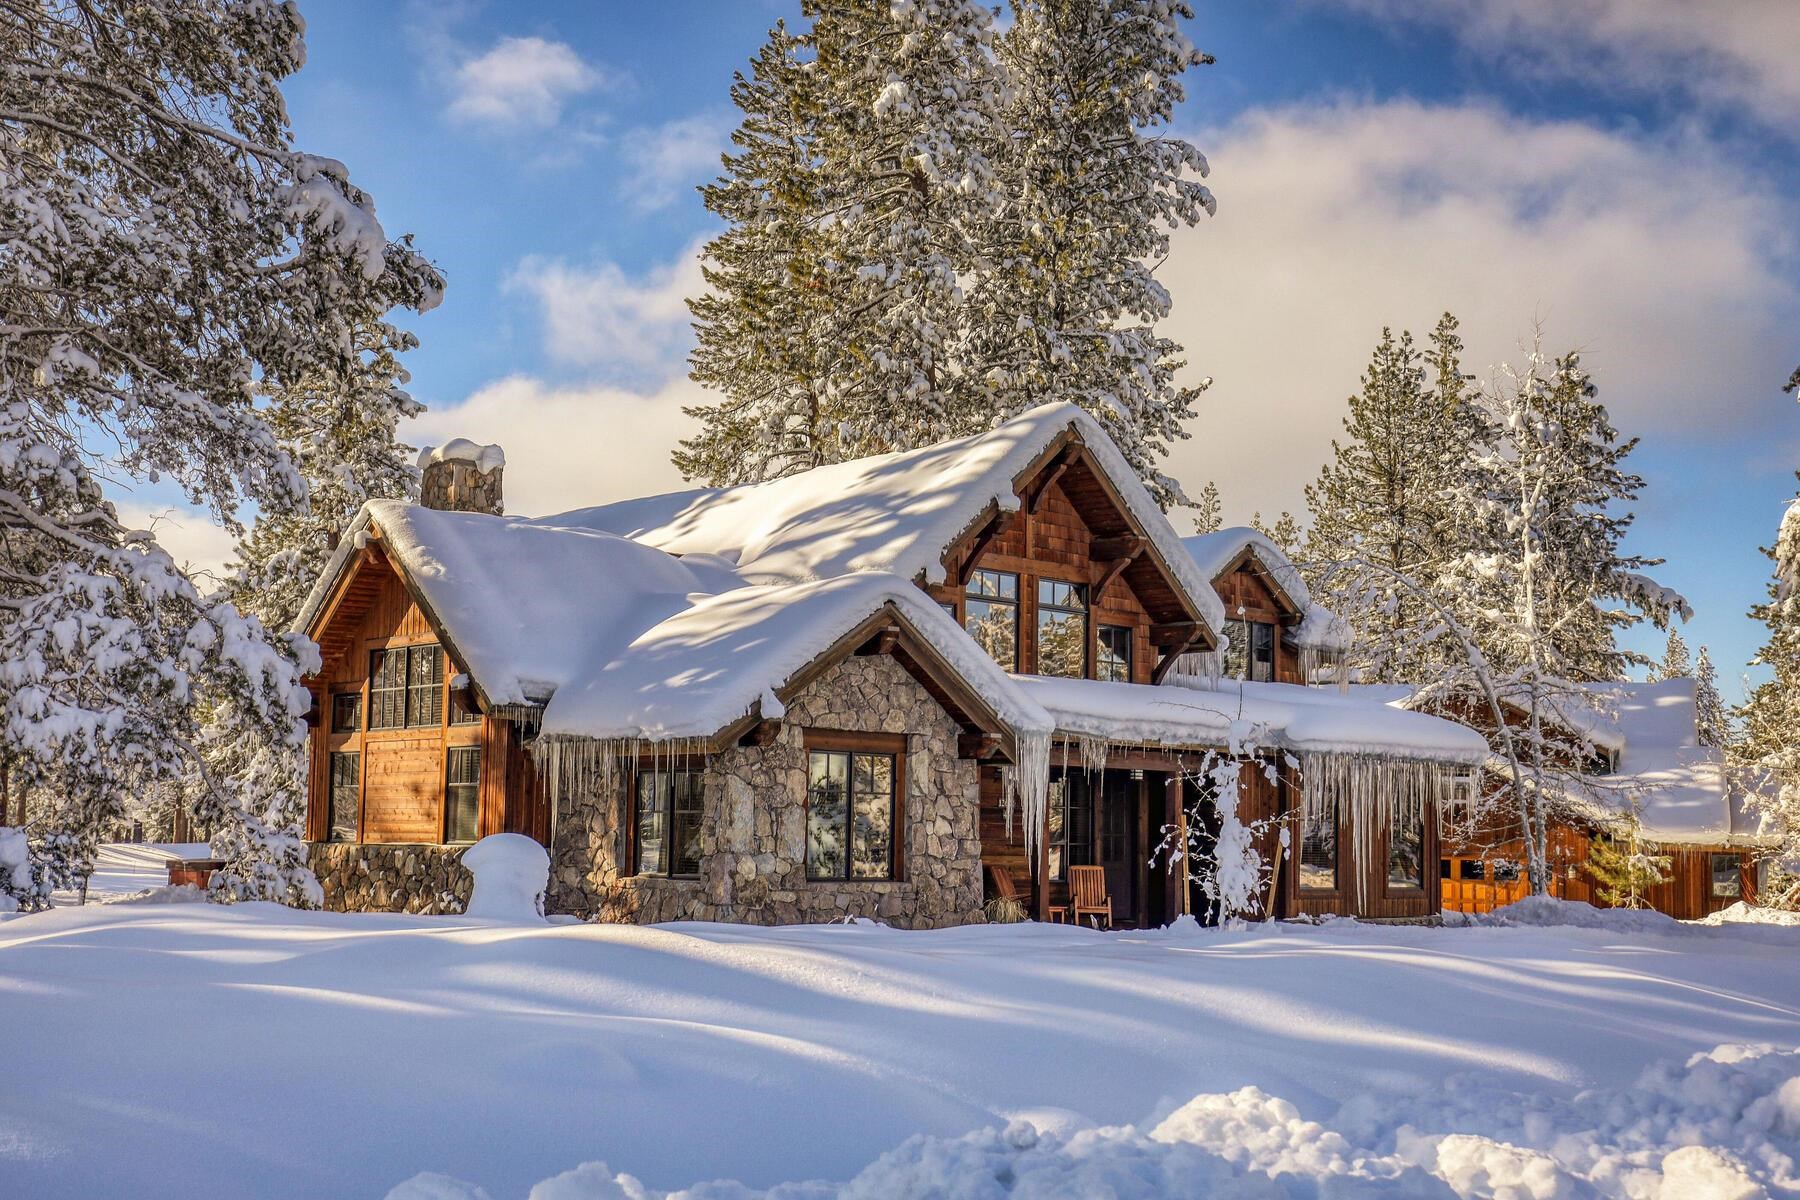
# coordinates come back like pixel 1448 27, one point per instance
pixel 1406 851
pixel 406 687
pixel 666 827
pixel 850 815
pixel 1727 880
pixel 1319 848
pixel 1062 625
pixel 462 793
pixel 991 615
pixel 1251 654
pixel 346 791
pixel 1070 833
pixel 1113 642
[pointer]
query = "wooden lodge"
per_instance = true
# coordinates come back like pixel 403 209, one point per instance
pixel 891 688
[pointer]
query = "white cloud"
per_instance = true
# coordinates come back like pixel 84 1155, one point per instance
pixel 1723 52
pixel 193 539
pixel 598 316
pixel 1656 258
pixel 567 447
pixel 664 161
pixel 522 81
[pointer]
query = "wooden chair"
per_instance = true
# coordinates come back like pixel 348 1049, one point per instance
pixel 1088 896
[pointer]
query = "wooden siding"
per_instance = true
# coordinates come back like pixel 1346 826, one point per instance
pixel 402 783
pixel 1246 588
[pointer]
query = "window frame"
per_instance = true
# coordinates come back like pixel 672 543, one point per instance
pixel 1336 811
pixel 1252 629
pixel 971 596
pixel 1406 886
pixel 338 702
pixel 1059 843
pixel 666 811
pixel 1128 659
pixel 894 747
pixel 1736 887
pixel 406 689
pixel 450 754
pixel 1085 613
pixel 331 787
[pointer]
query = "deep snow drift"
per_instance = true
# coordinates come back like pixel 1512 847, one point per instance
pixel 354 1052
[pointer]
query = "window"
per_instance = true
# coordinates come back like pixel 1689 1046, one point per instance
pixel 1070 833
pixel 346 712
pixel 992 615
pixel 1506 871
pixel 1114 645
pixel 1473 869
pixel 406 687
pixel 462 792
pixel 1062 625
pixel 1319 847
pixel 346 787
pixel 1727 881
pixel 666 831
pixel 1251 654
pixel 850 815
pixel 465 716
pixel 1406 851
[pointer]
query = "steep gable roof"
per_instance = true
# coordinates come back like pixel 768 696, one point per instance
pixel 897 513
pixel 1216 554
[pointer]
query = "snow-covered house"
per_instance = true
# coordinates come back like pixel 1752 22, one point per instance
pixel 883 688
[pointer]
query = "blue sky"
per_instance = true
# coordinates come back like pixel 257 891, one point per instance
pixel 1622 171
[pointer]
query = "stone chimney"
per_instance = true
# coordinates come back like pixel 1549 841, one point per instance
pixel 461 476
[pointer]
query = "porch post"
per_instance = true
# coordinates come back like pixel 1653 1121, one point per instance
pixel 1172 792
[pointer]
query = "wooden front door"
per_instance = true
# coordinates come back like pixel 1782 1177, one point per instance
pixel 1115 837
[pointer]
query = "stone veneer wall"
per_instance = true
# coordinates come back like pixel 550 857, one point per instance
pixel 753 866
pixel 405 878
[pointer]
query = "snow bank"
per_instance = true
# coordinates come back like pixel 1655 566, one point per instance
pixel 1724 1125
pixel 511 874
pixel 1750 914
pixel 1549 911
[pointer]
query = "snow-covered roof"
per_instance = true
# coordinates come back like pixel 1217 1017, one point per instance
pixel 617 639
pixel 1214 553
pixel 895 513
pixel 1193 711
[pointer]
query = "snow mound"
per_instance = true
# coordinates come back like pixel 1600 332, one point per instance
pixel 1750 914
pixel 511 873
pixel 1724 1125
pixel 1545 911
pixel 485 458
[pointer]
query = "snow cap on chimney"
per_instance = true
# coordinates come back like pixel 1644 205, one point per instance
pixel 461 476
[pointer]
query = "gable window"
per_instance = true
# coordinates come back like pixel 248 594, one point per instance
pixel 406 687
pixel 462 792
pixel 1114 645
pixel 1062 624
pixel 1406 851
pixel 666 823
pixel 346 789
pixel 1727 881
pixel 991 615
pixel 1251 654
pixel 346 712
pixel 1319 847
pixel 1070 825
pixel 850 815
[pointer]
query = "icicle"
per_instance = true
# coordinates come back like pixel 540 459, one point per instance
pixel 1375 789
pixel 1094 752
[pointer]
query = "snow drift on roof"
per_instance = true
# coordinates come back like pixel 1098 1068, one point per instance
pixel 1679 785
pixel 485 458
pixel 896 513
pixel 1192 711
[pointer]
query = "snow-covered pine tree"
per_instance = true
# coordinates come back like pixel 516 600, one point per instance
pixel 167 249
pixel 1676 663
pixel 760 344
pixel 1209 512
pixel 340 427
pixel 1622 870
pixel 1065 303
pixel 1385 499
pixel 1714 723
pixel 1285 532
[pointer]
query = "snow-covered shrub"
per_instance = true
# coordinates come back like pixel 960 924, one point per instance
pixel 511 874
pixel 23 884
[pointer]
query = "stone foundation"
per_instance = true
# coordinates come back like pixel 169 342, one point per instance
pixel 753 831
pixel 402 878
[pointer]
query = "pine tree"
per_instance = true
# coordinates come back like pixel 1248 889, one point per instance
pixel 1622 869
pixel 1714 726
pixel 1208 511
pixel 1066 302
pixel 167 249
pixel 1676 662
pixel 1285 532
pixel 1385 498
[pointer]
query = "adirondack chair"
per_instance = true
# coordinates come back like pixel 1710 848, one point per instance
pixel 1088 896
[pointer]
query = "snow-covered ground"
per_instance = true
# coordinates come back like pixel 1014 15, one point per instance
pixel 182 1049
pixel 128 868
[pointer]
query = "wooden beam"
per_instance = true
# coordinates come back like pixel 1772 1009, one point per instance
pixel 1116 567
pixel 881 643
pixel 1175 633
pixel 762 733
pixel 977 745
pixel 1169 660
pixel 1047 481
pixel 1125 546
pixel 994 527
